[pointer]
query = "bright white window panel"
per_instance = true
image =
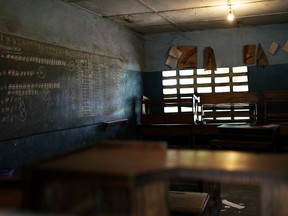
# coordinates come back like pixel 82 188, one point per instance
pixel 203 72
pixel 240 69
pixel 169 82
pixel 203 80
pixel 169 73
pixel 236 79
pixel 223 118
pixel 222 79
pixel 186 81
pixel 186 90
pixel 186 72
pixel 241 118
pixel 219 89
pixel 186 109
pixel 204 89
pixel 169 91
pixel 222 71
pixel 242 88
pixel 171 109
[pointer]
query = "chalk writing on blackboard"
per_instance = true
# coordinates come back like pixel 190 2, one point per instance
pixel 45 87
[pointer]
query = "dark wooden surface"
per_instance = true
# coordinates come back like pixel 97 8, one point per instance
pixel 155 123
pixel 11 192
pixel 130 163
pixel 247 137
pixel 229 97
pixel 276 112
pixel 129 168
pixel 276 109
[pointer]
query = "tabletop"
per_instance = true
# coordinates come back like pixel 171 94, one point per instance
pixel 204 164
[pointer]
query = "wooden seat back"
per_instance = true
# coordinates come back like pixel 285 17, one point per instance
pixel 153 111
pixel 230 107
pixel 275 106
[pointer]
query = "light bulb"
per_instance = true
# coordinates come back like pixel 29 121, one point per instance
pixel 230 17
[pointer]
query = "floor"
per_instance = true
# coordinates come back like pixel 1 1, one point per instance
pixel 242 195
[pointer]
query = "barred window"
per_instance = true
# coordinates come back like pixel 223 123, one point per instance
pixel 183 83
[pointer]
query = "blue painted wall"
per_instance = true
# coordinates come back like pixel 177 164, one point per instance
pixel 228 48
pixel 226 43
pixel 272 77
pixel 58 23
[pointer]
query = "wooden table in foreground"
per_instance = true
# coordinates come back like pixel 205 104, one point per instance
pixel 118 180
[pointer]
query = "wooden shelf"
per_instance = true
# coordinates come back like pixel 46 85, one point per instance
pixel 106 124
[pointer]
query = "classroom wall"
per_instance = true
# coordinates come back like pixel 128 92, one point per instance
pixel 228 48
pixel 57 23
pixel 226 43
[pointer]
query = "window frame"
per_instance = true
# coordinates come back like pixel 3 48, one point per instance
pixel 202 74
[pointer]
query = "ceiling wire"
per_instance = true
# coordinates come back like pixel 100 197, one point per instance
pixel 230 6
pixel 231 11
pixel 189 8
pixel 161 14
pixel 87 10
pixel 99 15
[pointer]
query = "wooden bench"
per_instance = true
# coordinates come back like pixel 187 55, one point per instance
pixel 155 122
pixel 153 111
pixel 223 108
pixel 232 107
pixel 276 112
pixel 207 111
pixel 275 106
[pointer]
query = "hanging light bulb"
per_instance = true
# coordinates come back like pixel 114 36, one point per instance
pixel 230 16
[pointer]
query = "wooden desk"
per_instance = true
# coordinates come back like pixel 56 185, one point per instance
pixel 247 137
pixel 91 180
pixel 117 169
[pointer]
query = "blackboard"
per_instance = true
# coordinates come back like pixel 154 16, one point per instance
pixel 44 87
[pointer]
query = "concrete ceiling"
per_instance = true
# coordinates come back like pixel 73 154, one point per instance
pixel 157 16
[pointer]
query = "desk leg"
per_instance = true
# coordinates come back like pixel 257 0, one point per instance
pixel 274 196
